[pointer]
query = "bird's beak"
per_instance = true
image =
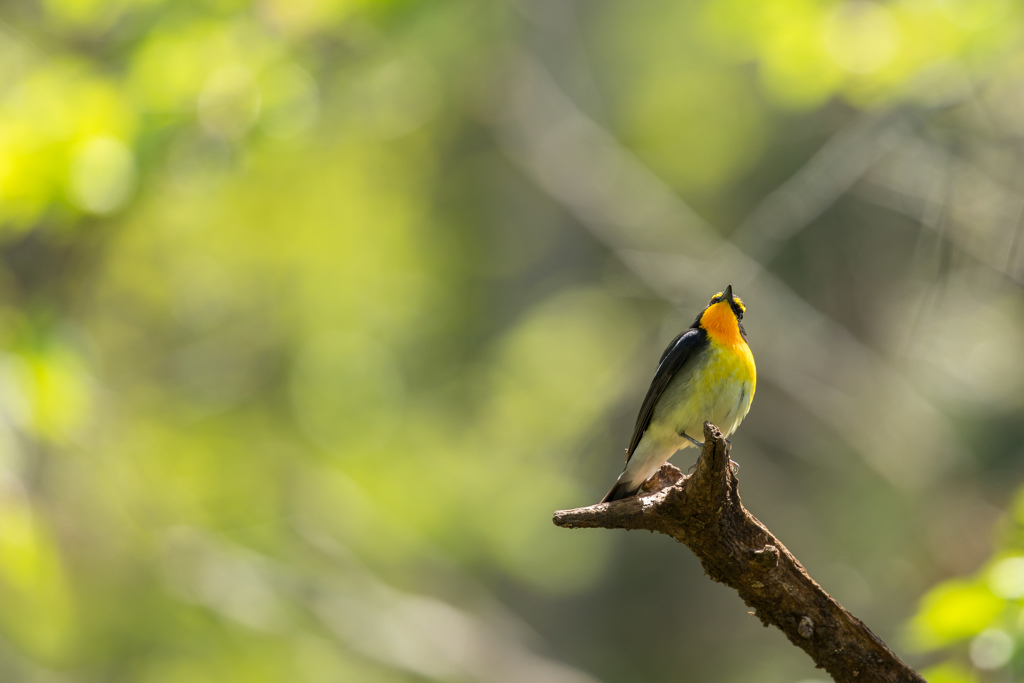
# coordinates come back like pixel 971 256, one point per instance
pixel 727 294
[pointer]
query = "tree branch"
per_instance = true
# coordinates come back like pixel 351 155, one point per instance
pixel 704 512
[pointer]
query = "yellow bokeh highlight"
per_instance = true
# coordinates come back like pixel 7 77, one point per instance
pixel 948 673
pixel 46 123
pixel 953 611
pixel 47 391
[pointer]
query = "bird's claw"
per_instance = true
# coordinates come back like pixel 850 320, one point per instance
pixel 698 444
pixel 733 465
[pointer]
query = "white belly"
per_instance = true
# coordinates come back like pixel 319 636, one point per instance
pixel 719 390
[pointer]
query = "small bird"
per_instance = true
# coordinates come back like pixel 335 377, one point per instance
pixel 707 373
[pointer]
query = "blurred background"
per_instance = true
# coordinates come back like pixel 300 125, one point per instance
pixel 313 311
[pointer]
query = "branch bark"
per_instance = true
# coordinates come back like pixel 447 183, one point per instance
pixel 704 512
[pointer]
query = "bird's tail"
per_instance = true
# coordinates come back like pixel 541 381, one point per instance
pixel 643 463
pixel 622 489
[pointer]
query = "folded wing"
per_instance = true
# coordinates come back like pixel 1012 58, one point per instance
pixel 680 351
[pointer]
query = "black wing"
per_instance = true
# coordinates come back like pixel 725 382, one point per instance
pixel 689 343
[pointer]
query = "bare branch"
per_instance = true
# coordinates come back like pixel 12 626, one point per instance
pixel 704 512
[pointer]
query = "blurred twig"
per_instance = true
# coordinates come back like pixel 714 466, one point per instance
pixel 829 174
pixel 422 634
pixel 704 512
pixel 907 186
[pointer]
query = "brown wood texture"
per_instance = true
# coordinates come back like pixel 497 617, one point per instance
pixel 703 511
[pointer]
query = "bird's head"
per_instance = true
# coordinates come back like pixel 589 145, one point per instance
pixel 721 319
pixel 733 302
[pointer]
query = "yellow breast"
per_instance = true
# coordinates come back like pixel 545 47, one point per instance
pixel 733 360
pixel 727 365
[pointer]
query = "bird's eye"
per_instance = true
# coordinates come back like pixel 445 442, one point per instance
pixel 738 307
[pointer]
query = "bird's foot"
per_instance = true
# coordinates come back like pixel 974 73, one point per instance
pixel 733 465
pixel 698 444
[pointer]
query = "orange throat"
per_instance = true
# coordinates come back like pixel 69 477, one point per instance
pixel 721 325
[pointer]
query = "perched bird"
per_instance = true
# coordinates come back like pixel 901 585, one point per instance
pixel 707 373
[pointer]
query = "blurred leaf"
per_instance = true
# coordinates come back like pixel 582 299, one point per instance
pixel 948 673
pixel 952 611
pixel 47 391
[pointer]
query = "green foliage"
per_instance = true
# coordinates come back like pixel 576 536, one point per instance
pixel 296 356
pixel 948 673
pixel 979 620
